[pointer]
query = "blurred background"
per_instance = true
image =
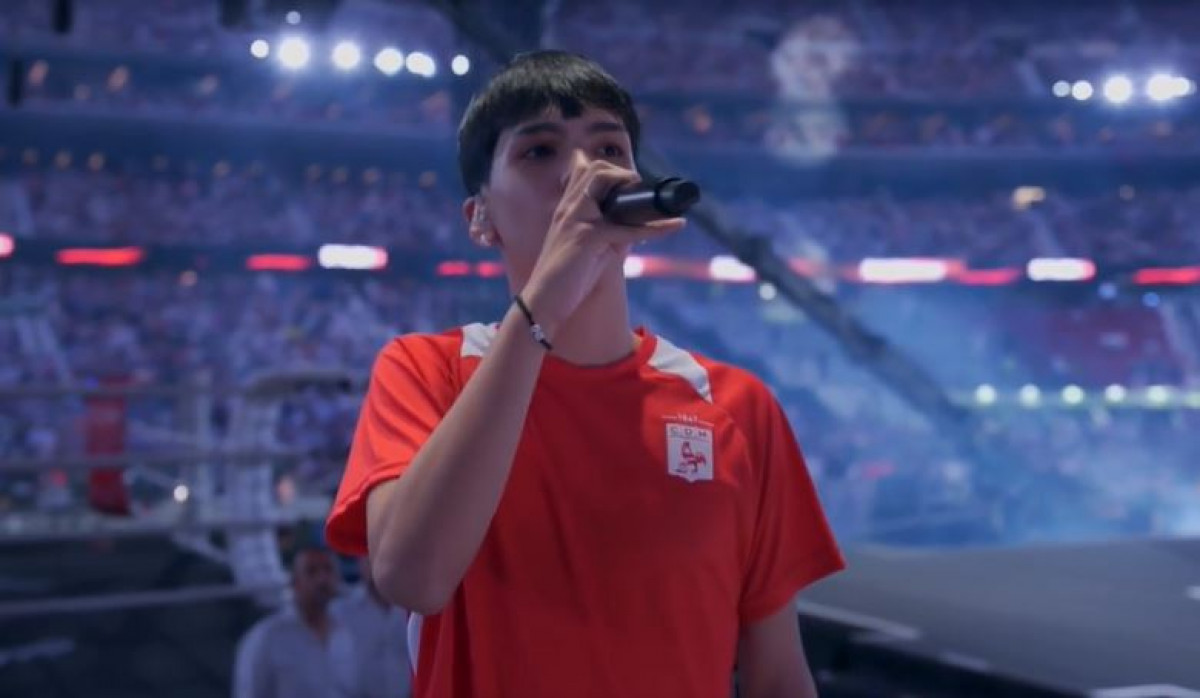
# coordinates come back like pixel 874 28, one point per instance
pixel 957 239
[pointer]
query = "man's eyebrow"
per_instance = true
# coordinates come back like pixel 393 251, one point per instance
pixel 606 127
pixel 556 128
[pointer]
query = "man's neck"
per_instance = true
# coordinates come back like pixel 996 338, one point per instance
pixel 598 332
pixel 315 619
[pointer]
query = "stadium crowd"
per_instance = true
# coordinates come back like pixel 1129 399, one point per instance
pixel 166 327
pixel 250 205
pixel 812 50
pixel 763 78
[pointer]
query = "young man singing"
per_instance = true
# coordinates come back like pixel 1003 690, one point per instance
pixel 570 507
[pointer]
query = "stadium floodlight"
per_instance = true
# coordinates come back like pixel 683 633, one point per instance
pixel 292 17
pixel 260 48
pixel 1062 88
pixel 1115 393
pixel 1118 89
pixel 1158 394
pixel 346 55
pixel 1072 395
pixel 389 61
pixel 1160 87
pixel 767 292
pixel 1082 90
pixel 1030 395
pixel 985 394
pixel 294 53
pixel 422 64
pixel 461 65
pixel 1164 87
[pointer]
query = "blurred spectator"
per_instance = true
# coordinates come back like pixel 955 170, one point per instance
pixel 287 654
pixel 371 644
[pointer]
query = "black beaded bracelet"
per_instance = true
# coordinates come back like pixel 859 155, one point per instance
pixel 535 329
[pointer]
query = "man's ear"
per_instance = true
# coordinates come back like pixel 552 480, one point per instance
pixel 479 224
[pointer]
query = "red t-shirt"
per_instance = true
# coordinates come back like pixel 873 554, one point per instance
pixel 654 506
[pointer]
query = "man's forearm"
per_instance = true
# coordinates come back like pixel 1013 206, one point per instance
pixel 425 528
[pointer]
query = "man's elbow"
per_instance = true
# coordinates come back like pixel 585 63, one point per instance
pixel 417 593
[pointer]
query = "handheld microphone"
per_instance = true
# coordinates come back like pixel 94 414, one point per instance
pixel 650 201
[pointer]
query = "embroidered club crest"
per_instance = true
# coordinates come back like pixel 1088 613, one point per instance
pixel 689 452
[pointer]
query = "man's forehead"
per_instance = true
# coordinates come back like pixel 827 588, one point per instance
pixel 552 115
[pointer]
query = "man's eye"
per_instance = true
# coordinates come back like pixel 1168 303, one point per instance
pixel 538 152
pixel 612 151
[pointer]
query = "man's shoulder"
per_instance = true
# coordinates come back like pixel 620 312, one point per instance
pixel 443 343
pixel 722 383
pixel 470 340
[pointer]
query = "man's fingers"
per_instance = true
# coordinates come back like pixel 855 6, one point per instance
pixel 595 178
pixel 666 225
pixel 629 235
pixel 604 181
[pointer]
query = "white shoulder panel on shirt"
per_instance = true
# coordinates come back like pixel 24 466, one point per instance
pixel 669 358
pixel 477 339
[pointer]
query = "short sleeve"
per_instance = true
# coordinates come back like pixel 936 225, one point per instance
pixel 792 545
pixel 411 388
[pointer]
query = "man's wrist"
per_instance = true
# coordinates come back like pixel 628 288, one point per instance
pixel 534 301
pixel 537 331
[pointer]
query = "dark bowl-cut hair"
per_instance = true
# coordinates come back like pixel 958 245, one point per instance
pixel 526 87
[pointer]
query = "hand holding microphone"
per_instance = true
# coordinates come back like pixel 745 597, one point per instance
pixel 604 210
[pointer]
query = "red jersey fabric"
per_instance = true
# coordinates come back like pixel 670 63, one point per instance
pixel 655 505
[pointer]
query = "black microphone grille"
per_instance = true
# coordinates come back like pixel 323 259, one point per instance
pixel 675 196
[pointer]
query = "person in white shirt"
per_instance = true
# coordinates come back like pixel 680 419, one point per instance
pixel 287 654
pixel 370 647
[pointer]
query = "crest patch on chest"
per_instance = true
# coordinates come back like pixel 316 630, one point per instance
pixel 689 452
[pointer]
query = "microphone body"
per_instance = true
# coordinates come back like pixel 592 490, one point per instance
pixel 650 201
